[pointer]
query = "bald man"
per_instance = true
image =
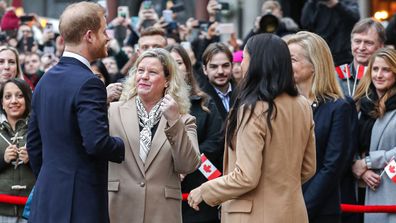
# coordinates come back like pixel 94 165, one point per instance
pixel 68 137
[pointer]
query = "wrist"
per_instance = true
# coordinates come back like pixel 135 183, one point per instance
pixel 367 162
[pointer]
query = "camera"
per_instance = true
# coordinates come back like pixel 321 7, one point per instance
pixel 268 23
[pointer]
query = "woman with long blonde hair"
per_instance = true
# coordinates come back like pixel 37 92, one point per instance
pixel 376 99
pixel 334 118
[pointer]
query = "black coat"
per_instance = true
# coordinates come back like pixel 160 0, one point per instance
pixel 210 139
pixel 333 24
pixel 333 128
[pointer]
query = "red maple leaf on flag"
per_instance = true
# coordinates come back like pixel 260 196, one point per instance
pixel 392 169
pixel 207 168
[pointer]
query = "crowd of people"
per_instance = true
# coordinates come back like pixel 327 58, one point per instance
pixel 114 123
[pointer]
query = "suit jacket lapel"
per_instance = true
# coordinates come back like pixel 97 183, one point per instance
pixel 380 125
pixel 130 124
pixel 157 142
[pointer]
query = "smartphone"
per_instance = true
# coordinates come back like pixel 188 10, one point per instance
pixel 186 45
pixel 26 18
pixel 225 28
pixel 177 8
pixel 167 14
pixel 49 28
pixel 204 25
pixel 223 6
pixel 147 4
pixel 123 11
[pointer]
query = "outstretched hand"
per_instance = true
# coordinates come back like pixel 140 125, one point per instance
pixel 195 198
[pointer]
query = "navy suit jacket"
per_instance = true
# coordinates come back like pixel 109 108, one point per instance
pixel 69 146
pixel 334 125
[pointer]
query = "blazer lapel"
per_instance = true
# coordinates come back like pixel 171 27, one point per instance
pixel 380 125
pixel 157 142
pixel 130 124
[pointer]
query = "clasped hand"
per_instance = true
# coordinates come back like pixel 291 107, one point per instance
pixel 12 152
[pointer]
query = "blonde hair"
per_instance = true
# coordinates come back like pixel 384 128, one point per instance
pixel 78 18
pixel 15 52
pixel 366 86
pixel 177 88
pixel 317 52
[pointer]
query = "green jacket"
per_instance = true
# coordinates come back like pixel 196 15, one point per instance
pixel 11 176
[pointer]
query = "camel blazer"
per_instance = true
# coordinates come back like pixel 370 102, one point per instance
pixel 150 192
pixel 263 172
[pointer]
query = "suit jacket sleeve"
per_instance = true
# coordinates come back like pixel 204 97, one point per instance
pixel 250 143
pixel 93 122
pixel 334 160
pixel 183 139
pixel 34 143
pixel 309 161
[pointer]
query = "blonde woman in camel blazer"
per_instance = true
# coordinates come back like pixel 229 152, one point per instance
pixel 147 189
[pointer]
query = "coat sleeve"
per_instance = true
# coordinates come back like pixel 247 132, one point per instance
pixel 93 122
pixel 34 143
pixel 183 139
pixel 309 161
pixel 334 159
pixel 308 15
pixel 212 144
pixel 380 158
pixel 250 143
pixel 348 10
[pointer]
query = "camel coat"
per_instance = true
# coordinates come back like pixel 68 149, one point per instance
pixel 263 172
pixel 150 192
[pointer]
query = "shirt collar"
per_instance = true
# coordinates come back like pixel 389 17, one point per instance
pixel 77 57
pixel 224 94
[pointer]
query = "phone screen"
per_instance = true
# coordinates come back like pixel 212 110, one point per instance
pixel 123 11
pixel 147 5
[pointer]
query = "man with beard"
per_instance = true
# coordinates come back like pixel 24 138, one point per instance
pixel 217 67
pixel 68 137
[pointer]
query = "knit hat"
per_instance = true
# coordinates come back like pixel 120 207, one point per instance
pixel 9 21
pixel 237 56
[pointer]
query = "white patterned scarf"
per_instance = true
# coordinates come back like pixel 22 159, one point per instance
pixel 147 121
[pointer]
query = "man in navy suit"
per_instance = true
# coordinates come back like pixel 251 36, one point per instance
pixel 68 138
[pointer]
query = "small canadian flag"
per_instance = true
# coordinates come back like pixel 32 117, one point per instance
pixel 390 169
pixel 208 169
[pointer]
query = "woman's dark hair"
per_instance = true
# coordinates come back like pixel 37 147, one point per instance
pixel 102 68
pixel 26 91
pixel 270 74
pixel 190 79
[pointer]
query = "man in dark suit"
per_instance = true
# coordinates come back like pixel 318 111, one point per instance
pixel 217 66
pixel 68 139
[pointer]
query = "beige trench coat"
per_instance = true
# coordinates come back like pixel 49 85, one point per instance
pixel 263 171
